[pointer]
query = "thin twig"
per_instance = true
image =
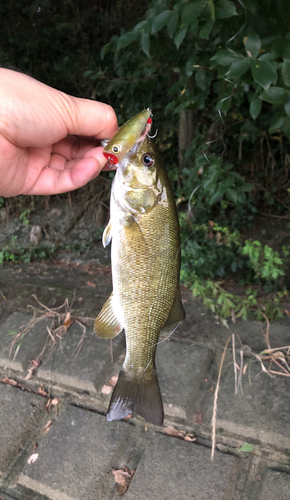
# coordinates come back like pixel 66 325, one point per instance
pixel 213 421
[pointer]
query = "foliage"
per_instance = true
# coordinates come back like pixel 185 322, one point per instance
pixel 210 251
pixel 265 261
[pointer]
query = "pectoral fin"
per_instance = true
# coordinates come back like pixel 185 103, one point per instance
pixel 107 325
pixel 177 312
pixel 107 234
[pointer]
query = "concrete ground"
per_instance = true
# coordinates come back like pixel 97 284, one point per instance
pixel 55 440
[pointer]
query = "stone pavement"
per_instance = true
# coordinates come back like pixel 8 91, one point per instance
pixel 55 442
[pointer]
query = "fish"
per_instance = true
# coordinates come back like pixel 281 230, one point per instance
pixel 145 257
pixel 134 130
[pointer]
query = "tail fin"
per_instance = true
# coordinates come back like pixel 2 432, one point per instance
pixel 141 395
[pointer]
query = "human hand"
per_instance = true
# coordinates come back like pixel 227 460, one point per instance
pixel 39 153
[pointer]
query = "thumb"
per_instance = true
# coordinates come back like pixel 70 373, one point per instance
pixel 88 118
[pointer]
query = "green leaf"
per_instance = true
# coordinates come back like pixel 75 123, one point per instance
pixel 286 51
pixel 250 5
pixel 275 95
pixel 180 36
pixel 225 57
pixel 172 23
pixel 286 73
pixel 255 107
pixel 160 21
pixel 286 127
pixel 140 25
pixel 263 73
pixel 238 68
pixel 232 195
pixel 126 39
pixel 191 12
pixel 247 186
pixel 145 43
pixel 193 27
pixel 189 64
pixel 225 9
pixel 247 448
pixel 105 49
pixel 206 29
pixel 87 73
pixel 200 78
pixel 287 107
pixel 277 121
pixel 252 44
pixel 216 196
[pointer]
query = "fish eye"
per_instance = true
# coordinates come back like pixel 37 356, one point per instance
pixel 116 149
pixel 148 160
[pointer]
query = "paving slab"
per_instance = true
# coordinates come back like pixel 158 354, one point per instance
pixel 77 456
pixel 31 344
pixel 20 412
pixel 81 360
pixel 260 414
pixel 3 496
pixel 276 486
pixel 181 368
pixel 201 326
pixel 171 468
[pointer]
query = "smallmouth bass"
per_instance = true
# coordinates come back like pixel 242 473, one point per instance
pixel 145 256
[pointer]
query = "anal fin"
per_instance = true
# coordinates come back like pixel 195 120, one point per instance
pixel 177 312
pixel 107 325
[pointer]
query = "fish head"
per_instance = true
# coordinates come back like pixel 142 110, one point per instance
pixel 138 187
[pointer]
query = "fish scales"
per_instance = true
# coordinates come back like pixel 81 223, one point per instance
pixel 145 267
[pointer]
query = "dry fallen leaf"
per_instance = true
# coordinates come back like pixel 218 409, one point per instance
pixel 47 426
pixel 32 458
pixel 48 405
pixel 91 284
pixel 123 478
pixel 67 321
pixel 190 438
pixel 222 448
pixel 128 416
pixel 171 431
pixel 198 417
pixel 42 391
pixel 10 381
pixel 34 364
pixel 106 389
pixel 114 380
